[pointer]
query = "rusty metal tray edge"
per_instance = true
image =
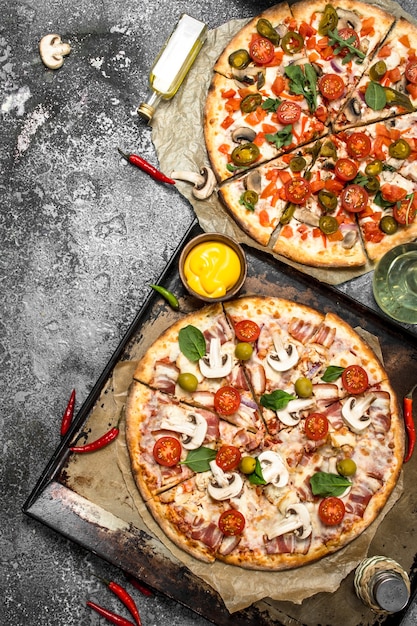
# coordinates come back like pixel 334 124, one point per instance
pixel 111 538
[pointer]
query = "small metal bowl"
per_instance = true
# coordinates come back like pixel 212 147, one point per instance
pixel 228 241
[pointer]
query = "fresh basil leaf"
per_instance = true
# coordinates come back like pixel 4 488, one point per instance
pixel 303 83
pixel 282 138
pixel 380 201
pixel 332 373
pixel 234 168
pixel 360 179
pixel 271 104
pixel 326 484
pixel 199 460
pixel 248 205
pixel 192 343
pixel 277 400
pixel 256 478
pixel 375 96
pixel 311 78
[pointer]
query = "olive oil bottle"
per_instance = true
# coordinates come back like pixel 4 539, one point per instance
pixel 173 62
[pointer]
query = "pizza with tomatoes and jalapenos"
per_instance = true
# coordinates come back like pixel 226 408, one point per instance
pixel 311 128
pixel 263 433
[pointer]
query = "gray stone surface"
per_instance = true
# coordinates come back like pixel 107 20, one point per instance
pixel 82 236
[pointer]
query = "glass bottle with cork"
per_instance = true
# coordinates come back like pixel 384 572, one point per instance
pixel 173 63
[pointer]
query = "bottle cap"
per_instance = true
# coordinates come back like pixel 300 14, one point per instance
pixel 390 591
pixel 146 111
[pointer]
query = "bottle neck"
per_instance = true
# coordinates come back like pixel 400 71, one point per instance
pixel 147 109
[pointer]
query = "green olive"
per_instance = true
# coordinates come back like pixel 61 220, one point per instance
pixel 187 381
pixel 372 185
pixel 346 467
pixel 245 154
pixel 327 200
pixel 297 164
pixel 239 59
pixel 251 102
pixel 374 168
pixel 303 387
pixel 388 224
pixel 328 20
pixel 265 28
pixel 243 351
pixel 399 149
pixel 328 224
pixel 247 465
pixel 378 70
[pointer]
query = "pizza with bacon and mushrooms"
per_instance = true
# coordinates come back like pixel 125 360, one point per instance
pixel 311 129
pixel 263 433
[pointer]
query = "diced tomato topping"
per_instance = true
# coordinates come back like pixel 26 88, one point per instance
pixel 404 40
pixel 372 232
pixel 224 148
pixel 228 121
pixel 278 85
pixel 229 93
pixel 306 30
pixel 264 218
pixel 368 27
pixel 287 231
pixel 384 52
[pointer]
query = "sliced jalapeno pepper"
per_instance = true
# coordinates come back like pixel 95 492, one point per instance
pixel 287 214
pixel 245 154
pixel 328 224
pixel 327 200
pixel 328 149
pixel 251 102
pixel 396 97
pixel 292 42
pixel 378 70
pixel 400 149
pixel 297 164
pixel 374 168
pixel 328 20
pixel 388 225
pixel 372 185
pixel 249 198
pixel 239 59
pixel 265 28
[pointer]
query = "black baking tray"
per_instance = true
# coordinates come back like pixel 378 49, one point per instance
pixel 54 504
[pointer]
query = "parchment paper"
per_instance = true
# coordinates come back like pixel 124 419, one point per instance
pixel 177 133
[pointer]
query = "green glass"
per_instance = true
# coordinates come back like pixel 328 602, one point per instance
pixel 395 283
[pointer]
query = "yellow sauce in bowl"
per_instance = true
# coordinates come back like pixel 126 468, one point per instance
pixel 212 268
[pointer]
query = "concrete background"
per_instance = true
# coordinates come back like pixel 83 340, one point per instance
pixel 82 236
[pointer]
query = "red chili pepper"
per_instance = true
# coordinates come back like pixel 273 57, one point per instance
pixel 125 597
pixel 139 585
pixel 135 159
pixel 114 618
pixel 68 415
pixel 409 423
pixel 99 443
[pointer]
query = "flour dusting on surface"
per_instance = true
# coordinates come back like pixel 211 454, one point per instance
pixel 35 120
pixel 16 101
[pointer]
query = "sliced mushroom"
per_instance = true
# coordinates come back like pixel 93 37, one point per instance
pixel 191 426
pixel 254 181
pixel 243 134
pixel 348 19
pixel 249 75
pixel 273 468
pixel 353 110
pixel 223 486
pixel 53 51
pixel 204 182
pixel 291 415
pixel 215 364
pixel 349 239
pixel 282 359
pixel 354 412
pixel 306 217
pixel 296 520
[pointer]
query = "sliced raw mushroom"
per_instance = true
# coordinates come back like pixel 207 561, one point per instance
pixel 353 110
pixel 349 239
pixel 243 134
pixel 348 19
pixel 254 181
pixel 306 217
pixel 215 364
pixel 273 468
pixel 282 359
pixel 297 520
pixel 204 182
pixel 223 486
pixel 354 412
pixel 53 51
pixel 291 415
pixel 249 75
pixel 191 426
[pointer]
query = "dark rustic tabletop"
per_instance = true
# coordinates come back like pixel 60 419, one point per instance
pixel 82 237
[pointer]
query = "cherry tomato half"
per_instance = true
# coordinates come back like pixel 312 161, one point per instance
pixel 262 51
pixel 226 400
pixel 358 145
pixel 345 169
pixel 288 112
pixel 228 458
pixel 331 86
pixel 231 522
pixel 347 33
pixel 297 190
pixel 316 426
pixel 405 211
pixel 331 511
pixel 355 379
pixel 354 198
pixel 411 72
pixel 247 330
pixel 167 451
